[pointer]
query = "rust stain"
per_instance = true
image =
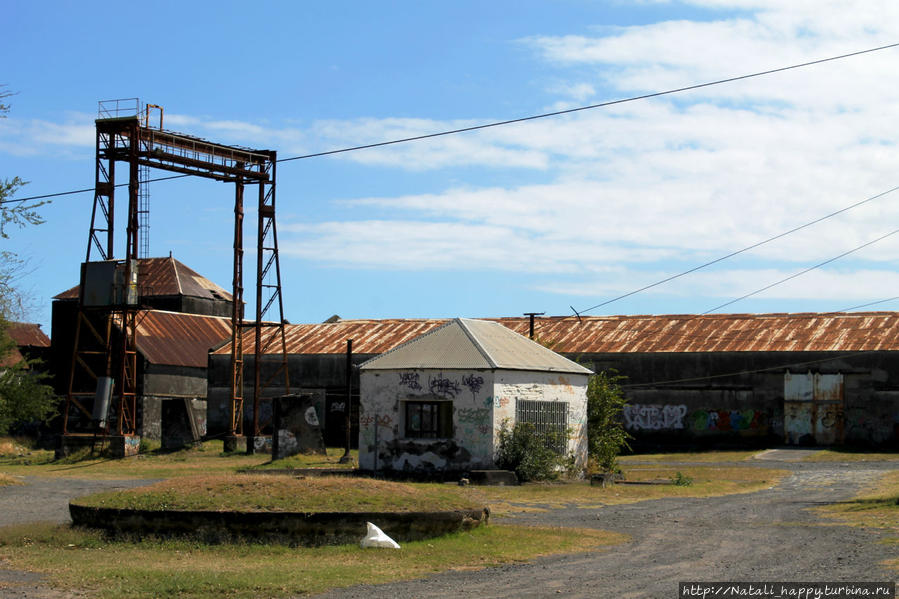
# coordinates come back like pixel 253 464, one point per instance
pixel 179 339
pixel 801 332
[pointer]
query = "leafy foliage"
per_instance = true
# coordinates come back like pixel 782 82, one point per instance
pixel 14 212
pixel 681 480
pixel 606 434
pixel 530 454
pixel 24 398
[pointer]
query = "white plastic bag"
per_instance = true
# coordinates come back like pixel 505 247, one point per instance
pixel 375 537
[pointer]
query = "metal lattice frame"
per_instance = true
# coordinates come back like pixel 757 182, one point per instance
pixel 96 351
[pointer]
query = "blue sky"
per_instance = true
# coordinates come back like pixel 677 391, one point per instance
pixel 538 216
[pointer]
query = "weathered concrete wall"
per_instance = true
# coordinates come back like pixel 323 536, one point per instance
pixel 291 528
pixel 297 426
pixel 513 385
pixel 382 441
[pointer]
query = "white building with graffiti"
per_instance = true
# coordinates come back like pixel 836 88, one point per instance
pixel 436 403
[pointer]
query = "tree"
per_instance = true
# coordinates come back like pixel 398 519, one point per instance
pixel 24 398
pixel 605 430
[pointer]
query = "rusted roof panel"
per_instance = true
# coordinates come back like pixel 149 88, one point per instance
pixel 801 332
pixel 167 276
pixel 179 339
pixel 369 336
pixel 26 334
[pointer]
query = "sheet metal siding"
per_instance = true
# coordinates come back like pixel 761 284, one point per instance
pixel 179 339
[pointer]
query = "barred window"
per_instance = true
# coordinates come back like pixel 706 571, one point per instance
pixel 429 419
pixel 550 420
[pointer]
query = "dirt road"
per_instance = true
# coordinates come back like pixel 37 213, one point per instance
pixel 765 536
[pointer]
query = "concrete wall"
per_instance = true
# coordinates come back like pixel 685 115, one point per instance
pixel 382 444
pixel 512 385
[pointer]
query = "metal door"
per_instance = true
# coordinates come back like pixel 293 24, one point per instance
pixel 813 409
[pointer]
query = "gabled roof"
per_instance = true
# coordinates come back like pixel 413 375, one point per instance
pixel 26 334
pixel 473 344
pixel 179 339
pixel 166 277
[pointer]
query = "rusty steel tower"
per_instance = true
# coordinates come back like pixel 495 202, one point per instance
pixel 101 400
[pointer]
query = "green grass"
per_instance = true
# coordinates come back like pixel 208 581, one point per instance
pixel 691 457
pixel 311 460
pixel 77 560
pixel 281 493
pixel 205 459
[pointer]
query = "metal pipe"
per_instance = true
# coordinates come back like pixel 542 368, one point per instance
pixel 349 400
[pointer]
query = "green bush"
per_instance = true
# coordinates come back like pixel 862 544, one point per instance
pixel 681 480
pixel 532 455
pixel 605 430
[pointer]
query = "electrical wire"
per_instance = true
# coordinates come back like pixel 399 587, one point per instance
pixel 735 253
pixel 802 272
pixel 869 304
pixel 522 119
pixel 742 372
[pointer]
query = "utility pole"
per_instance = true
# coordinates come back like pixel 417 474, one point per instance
pixel 531 328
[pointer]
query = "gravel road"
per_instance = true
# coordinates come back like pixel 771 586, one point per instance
pixel 44 500
pixel 763 536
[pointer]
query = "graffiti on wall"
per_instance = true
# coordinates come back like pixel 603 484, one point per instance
pixel 443 387
pixel 474 415
pixel 725 420
pixel 474 383
pixel 410 380
pixel 654 416
pixel 368 420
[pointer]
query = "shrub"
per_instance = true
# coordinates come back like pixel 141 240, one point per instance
pixel 530 454
pixel 681 480
pixel 605 430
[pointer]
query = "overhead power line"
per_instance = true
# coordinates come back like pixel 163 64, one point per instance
pixel 737 252
pixel 890 299
pixel 521 119
pixel 802 272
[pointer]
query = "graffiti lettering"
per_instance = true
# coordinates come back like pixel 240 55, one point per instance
pixel 474 415
pixel 654 417
pixel 410 380
pixel 384 420
pixel 500 402
pixel 474 383
pixel 443 387
pixel 338 406
pixel 725 420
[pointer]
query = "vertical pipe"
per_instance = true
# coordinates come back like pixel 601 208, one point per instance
pixel 349 400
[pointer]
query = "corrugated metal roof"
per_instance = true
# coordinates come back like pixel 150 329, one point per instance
pixel 803 332
pixel 179 339
pixel 369 336
pixel 475 344
pixel 27 334
pixel 164 277
pixel 719 333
